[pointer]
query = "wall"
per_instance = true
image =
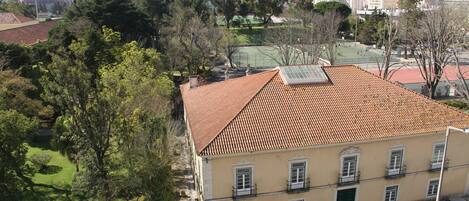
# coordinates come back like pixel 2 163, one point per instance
pixel 271 170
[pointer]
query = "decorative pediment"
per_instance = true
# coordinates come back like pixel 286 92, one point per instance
pixel 350 150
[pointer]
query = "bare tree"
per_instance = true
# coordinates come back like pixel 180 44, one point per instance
pixel 230 44
pixel 283 42
pixel 328 27
pixel 191 44
pixel 436 32
pixel 460 85
pixel 390 36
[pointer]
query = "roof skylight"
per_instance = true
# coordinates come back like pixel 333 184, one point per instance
pixel 303 74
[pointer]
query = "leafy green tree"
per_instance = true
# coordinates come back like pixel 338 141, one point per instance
pixel 14 171
pixel 156 10
pixel 113 109
pixel 228 8
pixel 267 8
pixel 17 7
pixel 15 94
pixel 120 15
pixel 369 32
pixel 324 6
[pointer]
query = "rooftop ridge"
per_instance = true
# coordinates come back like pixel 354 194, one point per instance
pixel 230 80
pixel 242 109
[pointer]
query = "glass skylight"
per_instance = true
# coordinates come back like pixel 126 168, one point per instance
pixel 303 74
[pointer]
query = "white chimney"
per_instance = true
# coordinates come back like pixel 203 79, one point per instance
pixel 193 81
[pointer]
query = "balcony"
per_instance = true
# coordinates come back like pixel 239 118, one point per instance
pixel 244 193
pixel 436 165
pixel 393 173
pixel 298 187
pixel 349 180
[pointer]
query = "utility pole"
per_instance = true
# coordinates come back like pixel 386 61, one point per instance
pixel 37 10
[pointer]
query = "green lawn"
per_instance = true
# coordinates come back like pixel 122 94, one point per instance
pixel 64 169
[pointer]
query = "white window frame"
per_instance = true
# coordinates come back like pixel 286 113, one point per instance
pixel 297 184
pixel 392 170
pixel 428 186
pixel 436 165
pixel 397 194
pixel 348 177
pixel 244 191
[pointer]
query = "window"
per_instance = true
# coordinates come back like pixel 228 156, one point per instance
pixel 395 161
pixel 432 188
pixel 349 166
pixel 243 178
pixel 438 153
pixel 297 172
pixel 391 193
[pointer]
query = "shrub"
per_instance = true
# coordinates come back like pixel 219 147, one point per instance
pixel 40 160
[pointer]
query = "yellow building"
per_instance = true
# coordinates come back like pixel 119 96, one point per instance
pixel 307 133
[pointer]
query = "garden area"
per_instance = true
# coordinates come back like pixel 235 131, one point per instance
pixel 52 168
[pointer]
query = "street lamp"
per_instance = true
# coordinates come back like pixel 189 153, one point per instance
pixel 440 180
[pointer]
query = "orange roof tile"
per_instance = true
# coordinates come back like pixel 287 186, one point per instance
pixel 260 113
pixel 27 35
pixel 11 18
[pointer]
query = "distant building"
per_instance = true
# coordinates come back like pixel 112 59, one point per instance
pixel 11 20
pixel 309 133
pixel 27 35
pixel 412 79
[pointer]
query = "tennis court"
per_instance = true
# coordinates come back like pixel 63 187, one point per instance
pixel 265 56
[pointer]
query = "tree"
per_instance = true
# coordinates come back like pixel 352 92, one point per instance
pixel 120 15
pixel 228 8
pixel 328 6
pixel 267 8
pixel 369 31
pixel 231 45
pixel 18 8
pixel 15 94
pixel 191 44
pixel 390 36
pixel 112 107
pixel 432 39
pixel 328 24
pixel 155 10
pixel 14 170
pixel 408 20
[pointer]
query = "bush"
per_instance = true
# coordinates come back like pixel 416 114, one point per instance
pixel 41 160
pixel 457 104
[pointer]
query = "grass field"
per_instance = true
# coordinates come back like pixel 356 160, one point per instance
pixel 63 169
pixel 60 173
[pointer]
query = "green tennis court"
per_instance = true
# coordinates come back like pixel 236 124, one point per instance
pixel 267 57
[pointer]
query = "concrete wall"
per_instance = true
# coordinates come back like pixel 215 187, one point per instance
pixel 271 170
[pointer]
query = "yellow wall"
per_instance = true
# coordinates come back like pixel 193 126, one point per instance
pixel 271 170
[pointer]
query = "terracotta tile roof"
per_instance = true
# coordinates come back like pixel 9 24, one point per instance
pixel 11 18
pixel 260 112
pixel 27 35
pixel 412 75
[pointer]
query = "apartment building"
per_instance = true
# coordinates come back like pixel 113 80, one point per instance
pixel 309 133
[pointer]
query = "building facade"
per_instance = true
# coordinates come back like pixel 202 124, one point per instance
pixel 304 134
